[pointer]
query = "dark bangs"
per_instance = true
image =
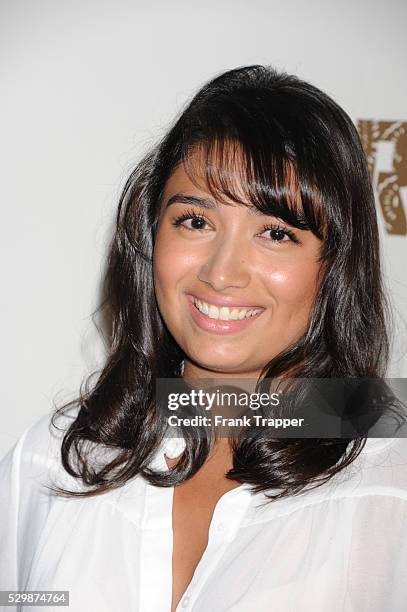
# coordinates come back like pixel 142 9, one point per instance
pixel 251 153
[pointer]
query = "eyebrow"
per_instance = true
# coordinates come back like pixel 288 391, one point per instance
pixel 180 198
pixel 297 221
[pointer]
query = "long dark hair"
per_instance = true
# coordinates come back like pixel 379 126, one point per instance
pixel 279 122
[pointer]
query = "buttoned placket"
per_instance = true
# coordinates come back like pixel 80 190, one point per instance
pixel 227 517
pixel 157 544
pixel 156 550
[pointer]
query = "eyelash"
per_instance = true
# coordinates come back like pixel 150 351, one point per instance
pixel 191 214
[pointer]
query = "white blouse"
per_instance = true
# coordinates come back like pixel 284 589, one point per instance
pixel 341 547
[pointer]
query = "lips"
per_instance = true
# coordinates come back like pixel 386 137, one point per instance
pixel 225 313
pixel 222 324
pixel 219 301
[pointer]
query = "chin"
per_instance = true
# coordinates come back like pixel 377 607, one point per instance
pixel 221 364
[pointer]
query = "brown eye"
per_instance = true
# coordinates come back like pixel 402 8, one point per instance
pixel 279 234
pixel 197 222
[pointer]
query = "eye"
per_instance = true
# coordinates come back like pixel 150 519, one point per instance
pixel 197 221
pixel 279 234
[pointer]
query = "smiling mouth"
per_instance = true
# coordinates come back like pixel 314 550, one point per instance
pixel 225 313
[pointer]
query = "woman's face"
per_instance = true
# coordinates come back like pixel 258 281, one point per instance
pixel 235 287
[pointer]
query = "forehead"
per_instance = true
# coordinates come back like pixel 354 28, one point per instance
pixel 181 179
pixel 227 174
pixel 211 170
pixel 223 176
pixel 182 188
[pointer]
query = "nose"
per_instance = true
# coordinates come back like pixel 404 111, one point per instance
pixel 225 267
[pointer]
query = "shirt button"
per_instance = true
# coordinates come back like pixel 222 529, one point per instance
pixel 221 526
pixel 185 601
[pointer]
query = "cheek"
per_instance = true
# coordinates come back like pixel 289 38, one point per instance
pixel 170 265
pixel 294 285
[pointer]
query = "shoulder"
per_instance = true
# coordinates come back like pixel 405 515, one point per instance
pixel 380 469
pixel 27 471
pixel 375 480
pixel 38 450
pixel 42 441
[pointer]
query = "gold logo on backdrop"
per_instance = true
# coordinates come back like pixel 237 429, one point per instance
pixel 385 145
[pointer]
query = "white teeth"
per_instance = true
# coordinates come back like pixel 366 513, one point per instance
pixel 224 313
pixel 213 312
pixel 205 308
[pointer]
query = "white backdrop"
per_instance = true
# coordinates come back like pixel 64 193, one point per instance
pixel 86 86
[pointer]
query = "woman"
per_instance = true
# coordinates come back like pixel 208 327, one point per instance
pixel 246 248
